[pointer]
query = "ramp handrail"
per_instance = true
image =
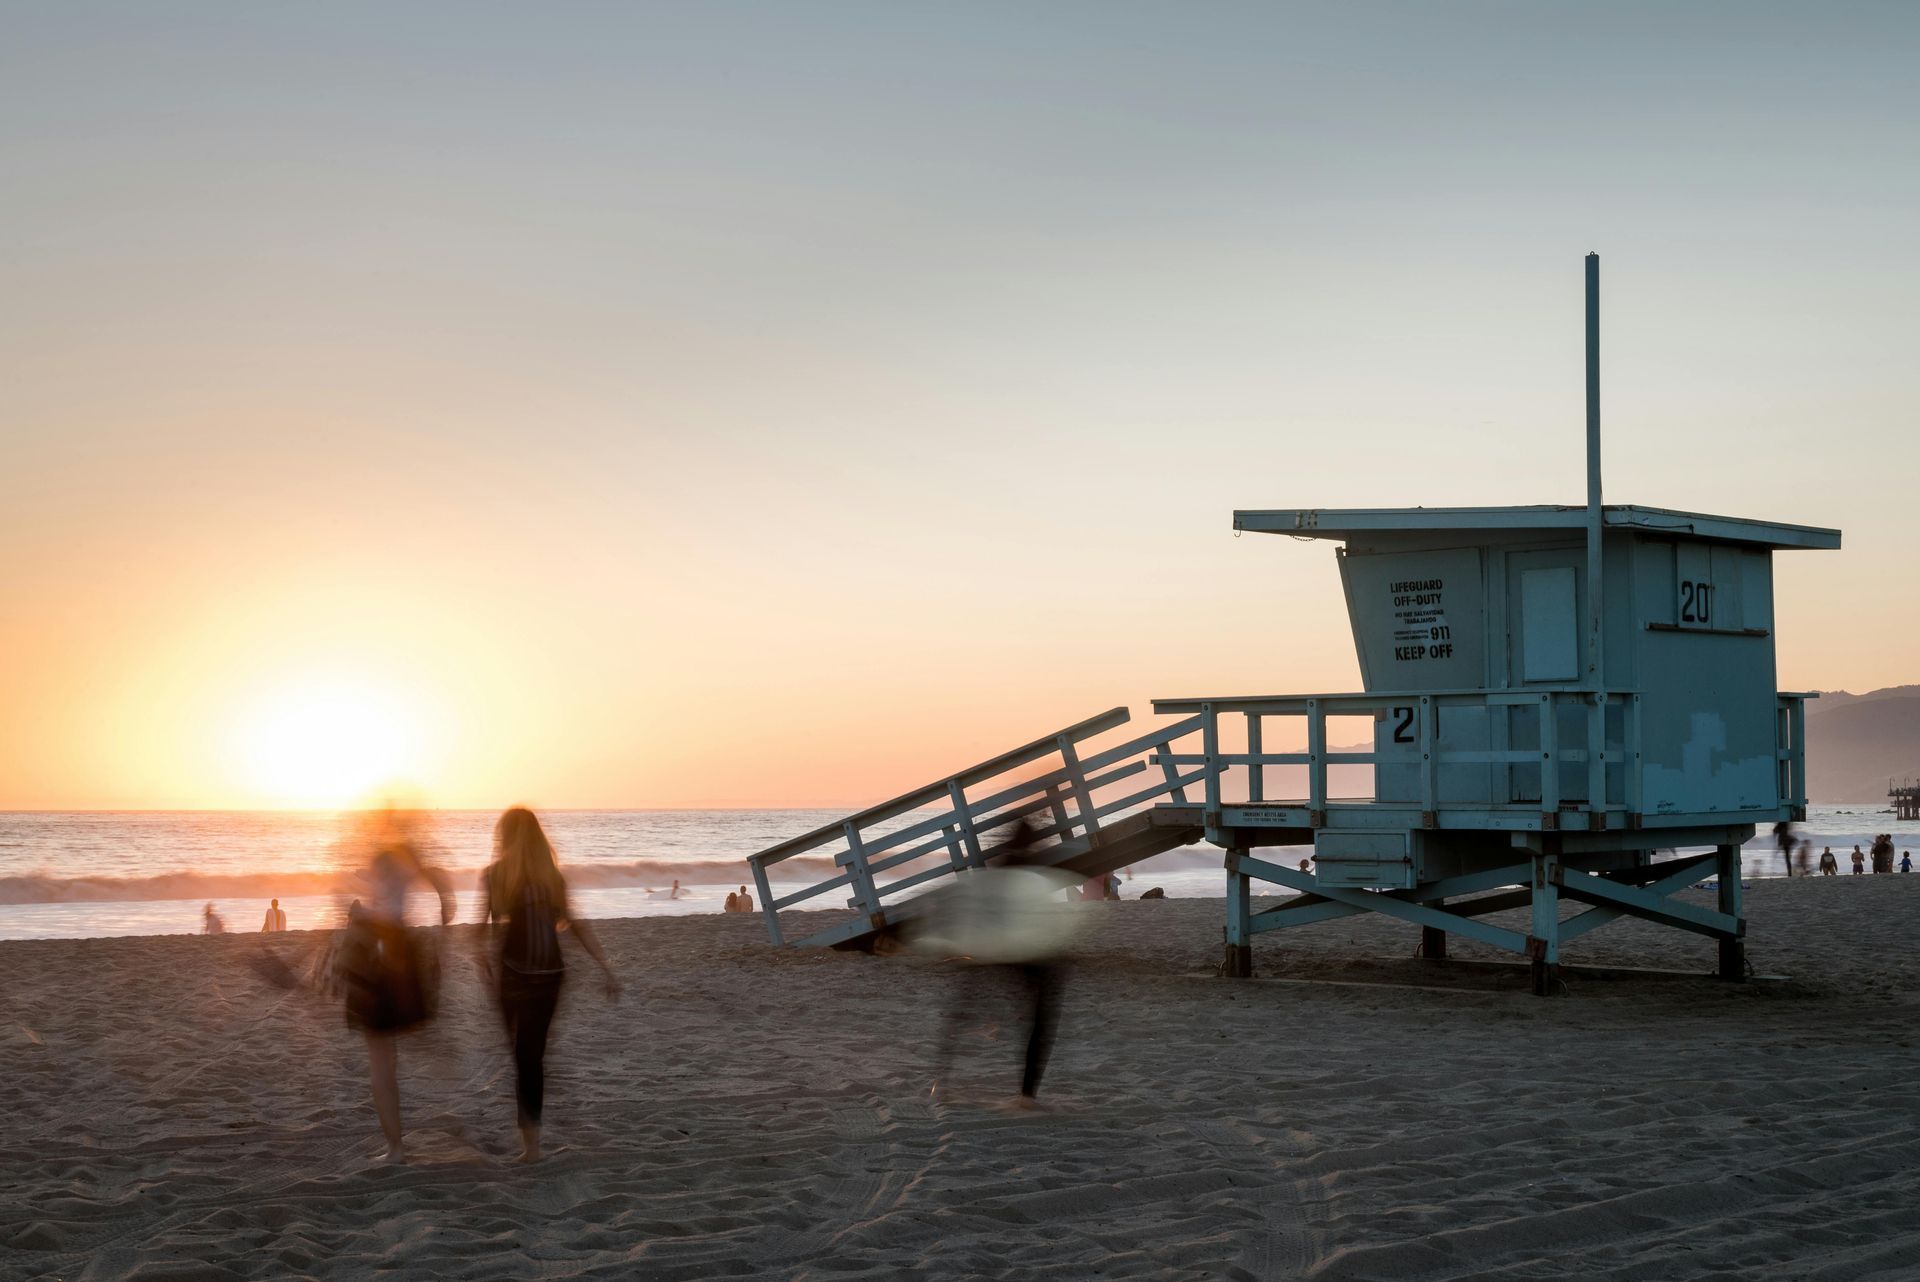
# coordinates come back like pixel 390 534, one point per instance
pixel 1065 797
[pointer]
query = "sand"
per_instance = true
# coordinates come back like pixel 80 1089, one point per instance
pixel 753 1113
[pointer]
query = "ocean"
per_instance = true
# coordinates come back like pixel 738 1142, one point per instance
pixel 96 873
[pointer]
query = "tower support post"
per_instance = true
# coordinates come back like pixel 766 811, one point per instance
pixel 1238 963
pixel 1543 940
pixel 1733 948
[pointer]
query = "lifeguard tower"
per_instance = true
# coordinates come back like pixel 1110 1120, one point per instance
pixel 1552 696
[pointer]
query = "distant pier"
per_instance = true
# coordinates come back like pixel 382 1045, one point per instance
pixel 1905 798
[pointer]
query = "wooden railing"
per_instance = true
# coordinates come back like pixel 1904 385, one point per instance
pixel 1790 732
pixel 1067 800
pixel 1066 787
pixel 1414 747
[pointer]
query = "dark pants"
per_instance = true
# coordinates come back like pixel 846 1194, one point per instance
pixel 1038 983
pixel 527 1003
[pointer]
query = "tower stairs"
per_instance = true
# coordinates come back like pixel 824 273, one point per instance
pixel 1094 809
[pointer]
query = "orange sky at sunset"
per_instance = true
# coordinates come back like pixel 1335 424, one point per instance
pixel 574 421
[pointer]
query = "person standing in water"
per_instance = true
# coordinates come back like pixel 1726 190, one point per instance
pixel 391 974
pixel 276 920
pixel 1859 862
pixel 520 958
pixel 1829 866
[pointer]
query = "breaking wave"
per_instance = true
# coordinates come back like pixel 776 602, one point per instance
pixel 42 887
pixel 46 888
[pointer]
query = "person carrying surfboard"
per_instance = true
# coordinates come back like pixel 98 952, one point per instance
pixel 1008 925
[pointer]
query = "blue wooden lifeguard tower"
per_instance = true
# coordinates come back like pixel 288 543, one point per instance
pixel 1552 695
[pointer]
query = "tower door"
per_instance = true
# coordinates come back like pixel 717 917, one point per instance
pixel 1544 594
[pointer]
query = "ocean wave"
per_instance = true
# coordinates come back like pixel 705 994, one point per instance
pixel 45 887
pixel 42 887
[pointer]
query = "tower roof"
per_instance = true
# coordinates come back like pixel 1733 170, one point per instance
pixel 1342 523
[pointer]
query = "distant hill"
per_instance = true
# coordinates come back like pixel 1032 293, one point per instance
pixel 1855 741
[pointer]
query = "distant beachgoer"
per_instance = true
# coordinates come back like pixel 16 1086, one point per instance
pixel 1113 886
pixel 1803 859
pixel 733 903
pixel 210 922
pixel 1859 862
pixel 1783 838
pixel 276 919
pixel 675 892
pixel 1306 865
pixel 1906 861
pixel 744 900
pixel 391 974
pixel 1883 853
pixel 1828 864
pixel 520 958
pixel 1154 893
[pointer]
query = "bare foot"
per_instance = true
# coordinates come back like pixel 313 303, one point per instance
pixel 529 1144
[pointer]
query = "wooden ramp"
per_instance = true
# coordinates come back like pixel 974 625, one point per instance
pixel 1089 804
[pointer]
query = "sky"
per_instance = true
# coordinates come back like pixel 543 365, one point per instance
pixel 635 405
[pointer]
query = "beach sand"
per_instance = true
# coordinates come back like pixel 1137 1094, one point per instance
pixel 747 1112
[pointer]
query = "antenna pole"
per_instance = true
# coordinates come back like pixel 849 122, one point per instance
pixel 1595 513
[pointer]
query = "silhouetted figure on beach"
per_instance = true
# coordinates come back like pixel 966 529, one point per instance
pixel 1906 861
pixel 210 923
pixel 520 957
pixel 675 892
pixel 1859 861
pixel 1829 866
pixel 1783 838
pixel 1008 923
pixel 276 920
pixel 391 975
pixel 745 900
pixel 1803 859
pixel 732 905
pixel 1883 853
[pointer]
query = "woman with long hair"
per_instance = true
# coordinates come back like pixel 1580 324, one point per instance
pixel 520 958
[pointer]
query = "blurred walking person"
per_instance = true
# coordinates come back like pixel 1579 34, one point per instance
pixel 391 974
pixel 1009 924
pixel 520 957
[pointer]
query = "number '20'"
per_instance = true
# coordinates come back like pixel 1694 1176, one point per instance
pixel 1696 602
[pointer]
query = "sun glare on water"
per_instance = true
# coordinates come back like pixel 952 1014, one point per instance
pixel 329 745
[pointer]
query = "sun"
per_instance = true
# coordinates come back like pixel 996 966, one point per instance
pixel 328 743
